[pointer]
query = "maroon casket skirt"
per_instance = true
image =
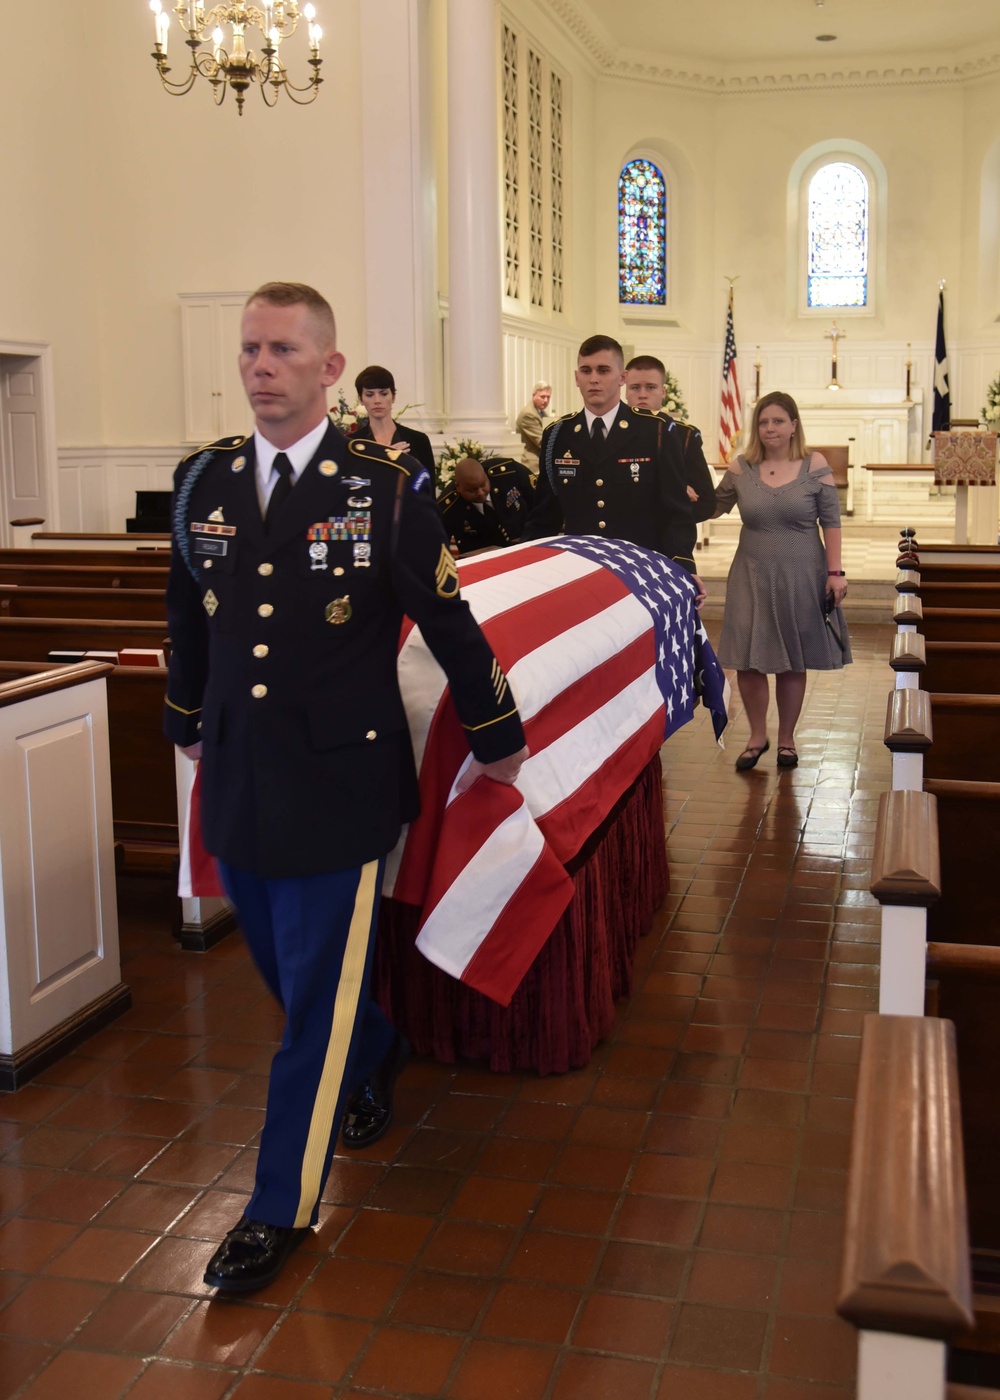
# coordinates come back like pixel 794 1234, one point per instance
pixel 566 1003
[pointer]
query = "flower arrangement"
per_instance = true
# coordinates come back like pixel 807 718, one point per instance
pixel 348 420
pixel 990 413
pixel 451 455
pixel 673 399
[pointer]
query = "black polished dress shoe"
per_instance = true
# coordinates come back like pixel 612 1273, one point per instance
pixel 369 1112
pixel 251 1256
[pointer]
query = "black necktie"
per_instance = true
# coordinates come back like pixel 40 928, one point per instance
pixel 281 490
pixel 597 430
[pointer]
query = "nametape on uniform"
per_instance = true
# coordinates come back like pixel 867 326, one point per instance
pixel 213 529
pixel 217 547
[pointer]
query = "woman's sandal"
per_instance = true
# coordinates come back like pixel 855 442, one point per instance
pixel 787 757
pixel 749 756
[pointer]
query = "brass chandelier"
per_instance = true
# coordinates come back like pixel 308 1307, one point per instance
pixel 237 66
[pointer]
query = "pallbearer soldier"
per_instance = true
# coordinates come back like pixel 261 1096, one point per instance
pixel 488 505
pixel 645 380
pixel 612 470
pixel 295 557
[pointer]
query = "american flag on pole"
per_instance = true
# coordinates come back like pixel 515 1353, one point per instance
pixel 731 416
pixel 606 656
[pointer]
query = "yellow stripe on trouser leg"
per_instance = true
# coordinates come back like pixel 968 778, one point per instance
pixel 345 1010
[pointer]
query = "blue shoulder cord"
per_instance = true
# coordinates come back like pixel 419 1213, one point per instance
pixel 181 498
pixel 550 453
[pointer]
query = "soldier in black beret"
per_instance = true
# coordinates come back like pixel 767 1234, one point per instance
pixel 488 505
pixel 296 555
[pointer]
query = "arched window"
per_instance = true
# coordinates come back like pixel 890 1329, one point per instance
pixel 642 235
pixel 837 253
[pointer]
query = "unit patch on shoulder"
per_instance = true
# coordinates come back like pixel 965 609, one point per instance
pixel 446 574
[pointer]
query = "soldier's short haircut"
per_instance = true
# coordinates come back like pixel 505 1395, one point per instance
pixel 594 344
pixel 647 362
pixel 299 294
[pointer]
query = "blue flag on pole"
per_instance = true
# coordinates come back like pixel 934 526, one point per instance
pixel 941 421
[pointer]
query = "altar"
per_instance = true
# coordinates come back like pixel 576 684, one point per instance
pixel 879 425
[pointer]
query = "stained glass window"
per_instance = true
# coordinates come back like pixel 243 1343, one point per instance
pixel 642 235
pixel 838 236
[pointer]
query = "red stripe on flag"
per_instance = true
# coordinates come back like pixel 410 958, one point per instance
pixel 533 908
pixel 521 930
pixel 502 563
pixel 526 626
pixel 591 692
pixel 567 826
pixel 512 635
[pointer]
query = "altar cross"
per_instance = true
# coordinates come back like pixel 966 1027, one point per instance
pixel 834 335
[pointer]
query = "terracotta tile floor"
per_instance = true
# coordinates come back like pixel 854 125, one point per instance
pixel 664 1225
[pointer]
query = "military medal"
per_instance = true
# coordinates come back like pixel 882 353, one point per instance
pixel 362 555
pixel 355 483
pixel 339 610
pixel 359 502
pixel 210 602
pixel 634 469
pixel 318 551
pixel 217 518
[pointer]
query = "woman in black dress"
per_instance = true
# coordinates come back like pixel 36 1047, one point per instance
pixel 377 394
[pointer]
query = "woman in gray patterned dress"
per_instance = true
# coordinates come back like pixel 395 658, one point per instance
pixel 786 583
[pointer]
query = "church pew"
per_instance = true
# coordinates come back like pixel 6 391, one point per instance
pixel 957 573
pixel 963 668
pixel 109 558
pixel 143 791
pixel 959 595
pixel 960 624
pixel 125 604
pixel 32 638
pixel 906 1279
pixel 966 730
pixel 969 843
pixel 83 576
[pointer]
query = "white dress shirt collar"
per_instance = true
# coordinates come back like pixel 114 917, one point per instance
pixel 609 419
pixel 300 454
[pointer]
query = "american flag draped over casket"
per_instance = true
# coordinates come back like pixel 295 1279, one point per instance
pixel 606 657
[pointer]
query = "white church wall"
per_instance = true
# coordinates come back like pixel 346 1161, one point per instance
pixel 728 159
pixel 50 284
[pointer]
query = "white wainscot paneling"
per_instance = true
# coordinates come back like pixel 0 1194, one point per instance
pixel 97 485
pixel 57 881
pixel 536 351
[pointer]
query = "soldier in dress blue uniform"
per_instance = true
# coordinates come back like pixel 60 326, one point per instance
pixel 295 557
pixel 645 380
pixel 488 505
pixel 612 470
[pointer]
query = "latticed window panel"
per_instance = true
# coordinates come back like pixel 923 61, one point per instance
pixel 642 235
pixel 511 167
pixel 556 189
pixel 838 237
pixel 536 241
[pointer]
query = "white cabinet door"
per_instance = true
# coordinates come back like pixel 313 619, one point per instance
pixel 214 403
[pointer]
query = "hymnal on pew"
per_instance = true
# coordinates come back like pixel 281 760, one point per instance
pixel 141 656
